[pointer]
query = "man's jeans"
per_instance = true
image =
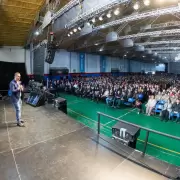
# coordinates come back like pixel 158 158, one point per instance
pixel 17 106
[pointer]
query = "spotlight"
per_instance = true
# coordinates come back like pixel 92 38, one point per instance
pixel 36 33
pixel 69 35
pixel 101 18
pixel 88 23
pixel 93 20
pixel 146 2
pixel 136 6
pixel 71 32
pixel 79 28
pixel 75 30
pixel 116 12
pixel 108 15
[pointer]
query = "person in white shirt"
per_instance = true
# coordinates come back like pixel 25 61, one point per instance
pixel 150 105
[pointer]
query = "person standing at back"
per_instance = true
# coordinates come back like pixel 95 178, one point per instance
pixel 16 90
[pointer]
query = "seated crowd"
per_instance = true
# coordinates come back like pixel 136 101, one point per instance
pixel 162 93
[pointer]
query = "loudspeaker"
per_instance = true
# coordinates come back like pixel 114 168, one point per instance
pixel 51 50
pixel 36 99
pixel 61 104
pixel 126 134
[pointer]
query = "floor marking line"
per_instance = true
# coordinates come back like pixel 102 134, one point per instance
pixel 120 117
pixel 74 102
pixel 44 141
pixel 160 147
pixel 19 175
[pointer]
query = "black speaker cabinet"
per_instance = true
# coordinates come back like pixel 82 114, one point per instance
pixel 36 99
pixel 61 104
pixel 126 134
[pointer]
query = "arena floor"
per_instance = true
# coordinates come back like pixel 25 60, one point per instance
pixel 160 147
pixel 57 147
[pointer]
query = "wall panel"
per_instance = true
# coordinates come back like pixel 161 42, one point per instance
pixel 92 63
pixel 12 54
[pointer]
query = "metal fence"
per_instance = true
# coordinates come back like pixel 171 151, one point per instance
pixel 148 131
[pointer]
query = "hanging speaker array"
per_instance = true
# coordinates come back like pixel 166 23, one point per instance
pixel 51 50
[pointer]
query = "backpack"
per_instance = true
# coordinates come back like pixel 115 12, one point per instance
pixel 9 93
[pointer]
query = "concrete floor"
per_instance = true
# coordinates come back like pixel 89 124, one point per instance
pixel 53 146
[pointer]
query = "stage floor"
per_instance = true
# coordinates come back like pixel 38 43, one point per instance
pixel 53 146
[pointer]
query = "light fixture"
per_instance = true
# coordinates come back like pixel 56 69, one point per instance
pixel 36 33
pixel 108 15
pixel 96 44
pixel 116 12
pixel 79 28
pixel 146 2
pixel 88 23
pixel 93 20
pixel 136 6
pixel 75 30
pixel 69 35
pixel 101 18
pixel 71 32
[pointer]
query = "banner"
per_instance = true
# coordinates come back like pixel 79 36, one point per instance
pixel 82 62
pixel 102 63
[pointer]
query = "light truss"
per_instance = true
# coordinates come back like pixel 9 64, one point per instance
pixel 163 25
pixel 134 17
pixel 159 42
pixel 44 42
pixel 163 48
pixel 95 11
pixel 66 8
pixel 163 32
pixel 168 52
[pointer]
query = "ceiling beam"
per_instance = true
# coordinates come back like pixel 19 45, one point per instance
pixel 159 42
pixel 139 16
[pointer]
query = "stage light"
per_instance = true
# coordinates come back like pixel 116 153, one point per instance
pixel 71 32
pixel 116 12
pixel 136 6
pixel 93 20
pixel 146 2
pixel 79 28
pixel 101 18
pixel 36 33
pixel 75 30
pixel 109 15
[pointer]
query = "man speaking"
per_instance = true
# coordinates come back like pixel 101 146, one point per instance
pixel 16 90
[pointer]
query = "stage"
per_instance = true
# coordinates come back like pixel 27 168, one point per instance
pixel 57 147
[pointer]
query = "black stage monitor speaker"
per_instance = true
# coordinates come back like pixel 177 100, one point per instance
pixel 36 99
pixel 61 104
pixel 126 134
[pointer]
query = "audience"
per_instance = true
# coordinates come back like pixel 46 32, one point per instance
pixel 115 91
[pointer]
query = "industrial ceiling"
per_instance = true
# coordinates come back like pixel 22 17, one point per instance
pixel 16 19
pixel 149 24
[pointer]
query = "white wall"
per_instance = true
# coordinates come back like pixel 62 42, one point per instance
pixel 92 63
pixel 136 66
pixel 16 54
pixel 116 62
pixel 12 54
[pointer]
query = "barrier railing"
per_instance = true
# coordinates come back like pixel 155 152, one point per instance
pixel 148 131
